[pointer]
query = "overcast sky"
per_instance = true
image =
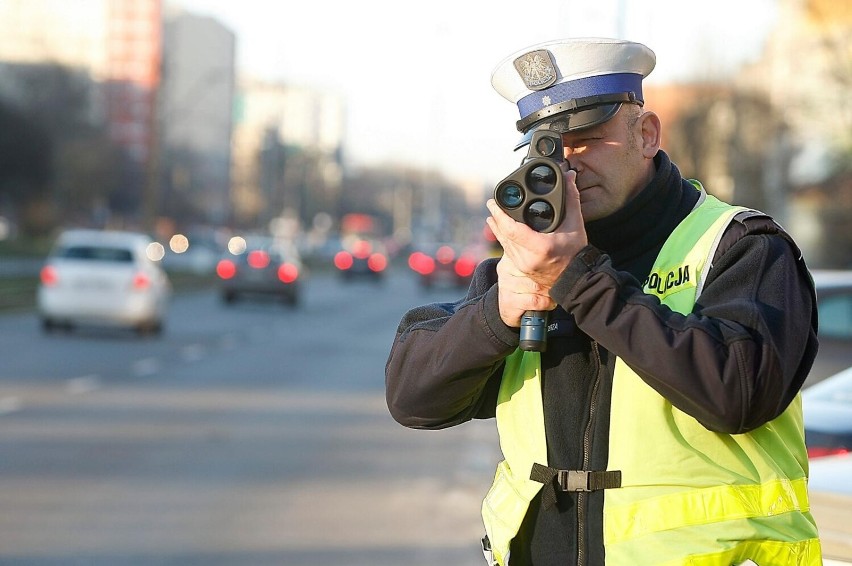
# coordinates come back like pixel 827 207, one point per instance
pixel 416 76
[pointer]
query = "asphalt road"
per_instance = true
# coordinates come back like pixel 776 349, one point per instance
pixel 254 434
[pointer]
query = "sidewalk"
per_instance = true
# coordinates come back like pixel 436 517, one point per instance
pixel 833 514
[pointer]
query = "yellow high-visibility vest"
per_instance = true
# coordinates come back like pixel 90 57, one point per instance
pixel 687 496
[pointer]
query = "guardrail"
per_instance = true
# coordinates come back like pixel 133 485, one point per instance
pixel 20 267
pixel 19 282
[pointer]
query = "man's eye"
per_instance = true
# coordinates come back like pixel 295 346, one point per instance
pixel 582 143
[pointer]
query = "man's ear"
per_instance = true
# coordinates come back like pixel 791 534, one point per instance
pixel 651 134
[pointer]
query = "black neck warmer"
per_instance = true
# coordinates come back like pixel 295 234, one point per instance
pixel 634 235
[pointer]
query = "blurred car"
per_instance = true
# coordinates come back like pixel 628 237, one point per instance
pixel 443 264
pixel 834 304
pixel 103 278
pixel 260 267
pixel 827 410
pixel 831 474
pixel 361 258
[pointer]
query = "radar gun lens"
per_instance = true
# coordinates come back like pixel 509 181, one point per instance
pixel 510 196
pixel 539 215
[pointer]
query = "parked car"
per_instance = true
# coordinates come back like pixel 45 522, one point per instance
pixel 260 267
pixel 104 278
pixel 831 473
pixel 443 264
pixel 830 498
pixel 827 409
pixel 361 258
pixel 834 303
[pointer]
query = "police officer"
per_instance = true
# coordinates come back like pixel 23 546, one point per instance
pixel 662 424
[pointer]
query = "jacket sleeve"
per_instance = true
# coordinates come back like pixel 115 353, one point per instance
pixel 445 364
pixel 740 357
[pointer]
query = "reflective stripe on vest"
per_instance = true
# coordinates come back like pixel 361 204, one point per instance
pixel 519 413
pixel 689 496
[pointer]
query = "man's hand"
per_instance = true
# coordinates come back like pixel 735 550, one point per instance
pixel 532 261
pixel 517 293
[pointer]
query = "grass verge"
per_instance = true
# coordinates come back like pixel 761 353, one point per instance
pixel 19 293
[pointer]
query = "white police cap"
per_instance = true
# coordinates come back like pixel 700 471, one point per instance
pixel 574 83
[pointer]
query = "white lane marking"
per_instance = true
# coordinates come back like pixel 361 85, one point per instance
pixel 84 384
pixel 192 352
pixel 146 367
pixel 9 405
pixel 228 341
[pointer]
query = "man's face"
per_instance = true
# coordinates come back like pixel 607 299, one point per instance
pixel 610 164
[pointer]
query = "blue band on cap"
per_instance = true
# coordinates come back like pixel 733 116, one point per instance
pixel 579 88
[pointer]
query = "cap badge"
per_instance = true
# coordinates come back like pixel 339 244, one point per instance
pixel 536 69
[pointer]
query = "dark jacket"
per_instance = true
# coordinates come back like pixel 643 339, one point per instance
pixel 734 363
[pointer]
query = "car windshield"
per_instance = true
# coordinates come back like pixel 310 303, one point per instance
pixel 835 316
pixel 96 253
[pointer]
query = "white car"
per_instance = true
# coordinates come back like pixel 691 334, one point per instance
pixel 103 278
pixel 831 474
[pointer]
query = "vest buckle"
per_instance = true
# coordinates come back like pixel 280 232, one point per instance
pixel 571 480
pixel 584 480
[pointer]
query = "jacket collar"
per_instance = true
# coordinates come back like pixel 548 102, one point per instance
pixel 644 223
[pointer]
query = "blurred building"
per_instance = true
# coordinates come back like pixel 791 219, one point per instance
pixel 806 72
pixel 117 42
pixel 287 152
pixel 778 135
pixel 162 86
pixel 56 31
pixel 196 119
pixel 707 158
pixel 133 39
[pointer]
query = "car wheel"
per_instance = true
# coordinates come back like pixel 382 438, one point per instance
pixel 229 297
pixel 150 328
pixel 48 325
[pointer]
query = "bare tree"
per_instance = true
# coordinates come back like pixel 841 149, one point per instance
pixel 54 153
pixel 736 144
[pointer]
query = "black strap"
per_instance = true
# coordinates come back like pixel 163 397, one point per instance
pixel 571 480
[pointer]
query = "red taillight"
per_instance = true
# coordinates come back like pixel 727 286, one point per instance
pixel 48 276
pixel 822 452
pixel 287 272
pixel 465 266
pixel 258 259
pixel 445 254
pixel 343 260
pixel 377 262
pixel 141 281
pixel 226 269
pixel 488 235
pixel 421 263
